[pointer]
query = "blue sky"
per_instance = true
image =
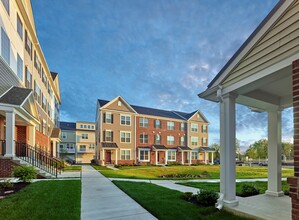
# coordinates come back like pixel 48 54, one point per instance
pixel 158 54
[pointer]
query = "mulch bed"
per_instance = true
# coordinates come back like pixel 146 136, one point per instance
pixel 9 191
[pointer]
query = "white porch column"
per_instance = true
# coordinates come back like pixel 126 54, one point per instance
pixel 103 157
pixel 10 134
pixel 166 157
pixel 156 157
pixel 274 153
pixel 31 135
pixel 228 149
pixel 190 154
pixel 116 151
pixel 182 157
pixel 212 161
pixel 205 157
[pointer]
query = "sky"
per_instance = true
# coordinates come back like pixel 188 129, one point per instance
pixel 157 53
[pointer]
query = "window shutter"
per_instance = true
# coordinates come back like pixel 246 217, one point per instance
pixel 111 118
pixel 111 136
pixel 104 135
pixel 104 117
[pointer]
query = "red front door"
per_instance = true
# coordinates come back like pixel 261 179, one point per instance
pixel 108 156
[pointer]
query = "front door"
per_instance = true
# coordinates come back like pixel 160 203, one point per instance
pixel 108 156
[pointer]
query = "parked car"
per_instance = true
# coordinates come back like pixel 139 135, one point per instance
pixel 216 161
pixel 263 164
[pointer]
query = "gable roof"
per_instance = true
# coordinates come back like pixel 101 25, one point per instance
pixel 69 126
pixel 15 96
pixel 53 75
pixel 55 133
pixel 245 44
pixel 156 112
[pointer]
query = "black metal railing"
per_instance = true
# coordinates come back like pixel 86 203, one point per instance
pixel 2 147
pixel 38 158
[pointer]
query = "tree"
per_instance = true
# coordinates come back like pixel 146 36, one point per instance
pixel 217 150
pixel 287 149
pixel 259 150
pixel 238 148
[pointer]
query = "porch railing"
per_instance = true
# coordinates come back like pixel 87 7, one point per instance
pixel 38 158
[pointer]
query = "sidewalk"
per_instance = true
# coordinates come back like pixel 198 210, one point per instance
pixel 101 199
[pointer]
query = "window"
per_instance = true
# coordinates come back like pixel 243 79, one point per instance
pixel 182 127
pixel 157 139
pixel 204 141
pixel 63 135
pixel 194 141
pixel 171 155
pixel 194 155
pixel 182 141
pixel 44 77
pixel 92 127
pixel 108 118
pixel 20 27
pixel 61 146
pixel 125 154
pixel 37 64
pixel 108 136
pixel 49 110
pixel 157 123
pixel 143 122
pixel 37 92
pixel 28 45
pixel 91 146
pixel 125 137
pixel 5 46
pixel 170 125
pixel 82 147
pixel 194 127
pixel 81 126
pixel 143 138
pixel 88 126
pixel 44 102
pixel 28 79
pixel 144 155
pixel 170 140
pixel 85 126
pixel 6 5
pixel 125 120
pixel 204 129
pixel 20 67
pixel 44 127
pixel 84 136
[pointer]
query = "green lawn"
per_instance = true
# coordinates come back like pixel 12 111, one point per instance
pixel 166 204
pixel 156 172
pixel 262 186
pixel 55 199
pixel 73 168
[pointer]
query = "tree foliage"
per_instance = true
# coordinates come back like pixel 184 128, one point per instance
pixel 217 150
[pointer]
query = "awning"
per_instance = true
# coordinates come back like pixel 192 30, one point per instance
pixel 109 145
pixel 184 148
pixel 159 148
pixel 206 149
pixel 144 147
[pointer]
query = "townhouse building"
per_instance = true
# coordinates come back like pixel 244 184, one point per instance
pixel 129 134
pixel 77 141
pixel 29 92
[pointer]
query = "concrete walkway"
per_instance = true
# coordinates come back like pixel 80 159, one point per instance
pixel 101 199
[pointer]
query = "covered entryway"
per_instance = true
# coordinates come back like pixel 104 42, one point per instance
pixel 185 154
pixel 263 75
pixel 109 153
pixel 160 154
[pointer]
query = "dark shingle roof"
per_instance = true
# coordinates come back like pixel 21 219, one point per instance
pixel 144 147
pixel 184 148
pixel 109 145
pixel 154 111
pixel 15 96
pixel 160 147
pixel 71 126
pixel 55 133
pixel 53 74
pixel 206 149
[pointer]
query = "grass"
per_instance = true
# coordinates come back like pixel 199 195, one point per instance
pixel 167 204
pixel 72 168
pixel 55 199
pixel 155 172
pixel 262 186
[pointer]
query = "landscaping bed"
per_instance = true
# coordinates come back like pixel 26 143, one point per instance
pixel 167 204
pixel 7 188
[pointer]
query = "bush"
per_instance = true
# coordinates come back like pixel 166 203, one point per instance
pixel 248 190
pixel 205 174
pixel 207 197
pixel 25 174
pixel 187 196
pixel 6 185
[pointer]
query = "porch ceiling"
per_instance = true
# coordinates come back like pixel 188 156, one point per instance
pixel 270 92
pixel 18 120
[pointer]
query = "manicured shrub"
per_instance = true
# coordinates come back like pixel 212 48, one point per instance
pixel 25 174
pixel 248 190
pixel 6 185
pixel 205 174
pixel 187 196
pixel 207 197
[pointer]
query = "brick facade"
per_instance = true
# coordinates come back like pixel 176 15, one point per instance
pixel 20 135
pixel 7 166
pixel 294 181
pixel 42 140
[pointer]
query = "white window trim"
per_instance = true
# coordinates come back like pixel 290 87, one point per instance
pixel 168 127
pixel 149 155
pixel 125 154
pixel 169 141
pixel 192 129
pixel 125 116
pixel 192 155
pixel 106 117
pixel 125 136
pixel 143 123
pixel 174 155
pixel 106 136
pixel 194 141
pixel 143 142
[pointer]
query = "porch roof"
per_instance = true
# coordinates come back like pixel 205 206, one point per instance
pixel 159 147
pixel 184 148
pixel 109 145
pixel 206 149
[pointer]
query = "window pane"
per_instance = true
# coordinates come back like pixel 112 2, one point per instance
pixel 20 67
pixel 5 46
pixel 6 5
pixel 20 27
